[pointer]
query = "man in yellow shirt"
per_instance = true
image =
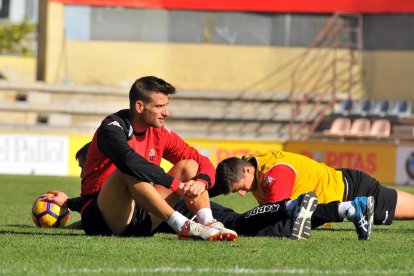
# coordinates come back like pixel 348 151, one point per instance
pixel 275 175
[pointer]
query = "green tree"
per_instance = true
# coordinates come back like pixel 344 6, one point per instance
pixel 17 39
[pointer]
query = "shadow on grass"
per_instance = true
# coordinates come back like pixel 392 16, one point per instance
pixel 39 232
pixel 377 229
pixel 20 225
pixel 35 231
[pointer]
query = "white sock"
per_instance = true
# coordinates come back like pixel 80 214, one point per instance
pixel 346 209
pixel 177 221
pixel 204 216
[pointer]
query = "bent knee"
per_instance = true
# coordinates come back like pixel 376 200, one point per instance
pixel 186 164
pixel 184 170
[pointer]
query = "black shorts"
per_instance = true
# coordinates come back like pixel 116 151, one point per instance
pixel 358 183
pixel 94 224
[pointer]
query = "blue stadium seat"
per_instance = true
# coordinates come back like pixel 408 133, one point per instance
pixel 363 108
pixel 345 107
pixel 382 108
pixel 402 108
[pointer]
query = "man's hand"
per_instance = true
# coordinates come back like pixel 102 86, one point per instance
pixel 192 189
pixel 58 198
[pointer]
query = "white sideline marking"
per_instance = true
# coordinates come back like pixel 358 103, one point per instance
pixel 235 270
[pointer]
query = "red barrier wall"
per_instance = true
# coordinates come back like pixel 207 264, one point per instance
pixel 286 6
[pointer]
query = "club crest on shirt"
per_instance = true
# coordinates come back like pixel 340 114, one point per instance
pixel 269 180
pixel 151 154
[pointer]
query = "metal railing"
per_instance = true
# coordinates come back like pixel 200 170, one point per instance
pixel 330 69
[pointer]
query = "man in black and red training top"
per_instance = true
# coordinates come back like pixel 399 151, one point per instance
pixel 124 190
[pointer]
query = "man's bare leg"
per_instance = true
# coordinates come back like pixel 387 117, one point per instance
pixel 200 206
pixel 405 206
pixel 184 170
pixel 116 201
pixel 170 197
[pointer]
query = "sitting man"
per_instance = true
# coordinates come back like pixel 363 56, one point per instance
pixel 124 190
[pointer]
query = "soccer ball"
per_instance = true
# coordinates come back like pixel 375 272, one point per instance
pixel 49 215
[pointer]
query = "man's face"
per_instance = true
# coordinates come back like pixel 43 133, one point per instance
pixel 244 185
pixel 155 112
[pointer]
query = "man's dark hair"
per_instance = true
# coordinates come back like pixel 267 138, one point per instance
pixel 143 87
pixel 228 172
pixel 82 152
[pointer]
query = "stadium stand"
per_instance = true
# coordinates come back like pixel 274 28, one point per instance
pixel 80 109
pixel 374 108
pixel 385 121
pixel 199 114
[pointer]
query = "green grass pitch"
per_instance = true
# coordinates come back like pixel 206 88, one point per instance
pixel 27 250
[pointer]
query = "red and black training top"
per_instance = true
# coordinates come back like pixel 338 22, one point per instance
pixel 116 145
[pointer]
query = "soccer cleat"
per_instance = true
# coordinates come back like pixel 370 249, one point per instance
pixel 363 218
pixel 226 234
pixel 302 214
pixel 196 231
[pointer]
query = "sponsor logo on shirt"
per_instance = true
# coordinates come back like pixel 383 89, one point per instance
pixel 115 123
pixel 151 154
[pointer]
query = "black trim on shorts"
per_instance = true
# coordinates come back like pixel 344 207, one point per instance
pixel 361 184
pixel 94 224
